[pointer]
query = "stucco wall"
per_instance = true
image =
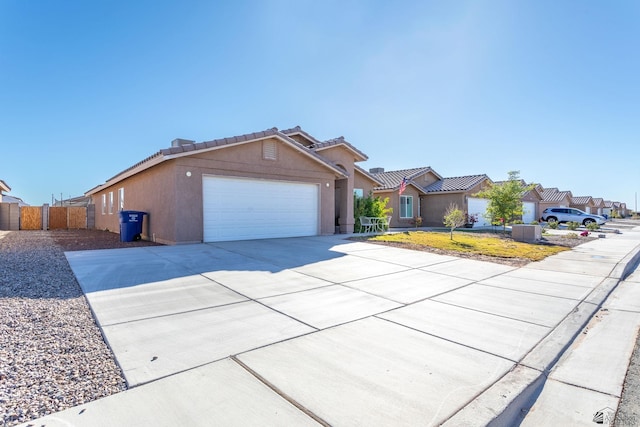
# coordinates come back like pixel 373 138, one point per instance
pixel 173 197
pixel 434 207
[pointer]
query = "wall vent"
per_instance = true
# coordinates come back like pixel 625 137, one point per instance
pixel 269 150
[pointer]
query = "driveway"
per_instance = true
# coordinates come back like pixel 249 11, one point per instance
pixel 318 330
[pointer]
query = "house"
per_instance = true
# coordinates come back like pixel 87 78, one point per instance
pixel 584 203
pixel 458 190
pixel 608 208
pixel 3 187
pixel 530 202
pixel 408 205
pixel 265 184
pixel 553 197
pixel 598 205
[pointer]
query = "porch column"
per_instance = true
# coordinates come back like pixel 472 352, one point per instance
pixel 344 201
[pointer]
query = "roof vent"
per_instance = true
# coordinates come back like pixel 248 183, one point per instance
pixel 376 170
pixel 179 142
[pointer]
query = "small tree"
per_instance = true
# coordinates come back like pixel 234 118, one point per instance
pixel 505 199
pixel 453 218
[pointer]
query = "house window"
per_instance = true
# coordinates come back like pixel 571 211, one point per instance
pixel 406 206
pixel 104 204
pixel 120 199
pixel 269 150
pixel 358 193
pixel 110 202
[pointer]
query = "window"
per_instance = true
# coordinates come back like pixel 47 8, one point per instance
pixel 406 206
pixel 110 202
pixel 104 204
pixel 120 199
pixel 358 192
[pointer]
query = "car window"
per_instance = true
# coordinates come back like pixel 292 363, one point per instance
pixel 576 212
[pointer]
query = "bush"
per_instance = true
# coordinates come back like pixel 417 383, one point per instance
pixel 572 225
pixel 370 206
pixel 592 226
pixel 552 225
pixel 570 236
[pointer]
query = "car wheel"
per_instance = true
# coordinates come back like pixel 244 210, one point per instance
pixel 588 221
pixel 552 219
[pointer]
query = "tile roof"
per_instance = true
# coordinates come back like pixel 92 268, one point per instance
pixel 321 145
pixel 554 195
pixel 457 183
pixel 392 179
pixel 189 148
pixel 581 200
pixel 598 201
pixel 299 130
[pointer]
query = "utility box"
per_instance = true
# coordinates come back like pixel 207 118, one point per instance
pixel 526 233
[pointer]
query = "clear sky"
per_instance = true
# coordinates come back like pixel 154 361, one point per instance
pixel 548 88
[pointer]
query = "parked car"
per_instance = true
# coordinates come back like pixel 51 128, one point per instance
pixel 561 214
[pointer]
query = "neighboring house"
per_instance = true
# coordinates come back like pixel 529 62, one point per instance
pixel 598 205
pixel 584 203
pixel 459 190
pixel 12 199
pixel 623 210
pixel 608 208
pixel 260 185
pixel 80 201
pixel 530 202
pixel 3 187
pixel 408 205
pixel 553 197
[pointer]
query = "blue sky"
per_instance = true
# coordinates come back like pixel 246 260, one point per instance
pixel 547 88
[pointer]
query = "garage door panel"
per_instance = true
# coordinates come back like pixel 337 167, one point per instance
pixel 242 209
pixel 479 207
pixel 529 212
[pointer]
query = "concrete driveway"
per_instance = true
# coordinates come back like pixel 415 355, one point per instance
pixel 322 329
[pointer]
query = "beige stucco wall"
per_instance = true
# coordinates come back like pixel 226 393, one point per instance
pixel 174 200
pixel 434 206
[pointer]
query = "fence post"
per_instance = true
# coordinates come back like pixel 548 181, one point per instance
pixel 45 216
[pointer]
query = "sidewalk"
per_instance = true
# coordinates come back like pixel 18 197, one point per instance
pixel 333 332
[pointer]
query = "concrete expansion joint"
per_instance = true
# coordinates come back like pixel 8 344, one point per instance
pixel 280 393
pixel 508 401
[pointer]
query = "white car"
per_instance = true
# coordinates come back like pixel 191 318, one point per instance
pixel 561 214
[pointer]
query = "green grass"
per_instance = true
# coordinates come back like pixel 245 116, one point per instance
pixel 470 243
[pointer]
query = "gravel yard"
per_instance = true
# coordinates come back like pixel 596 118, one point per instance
pixel 52 354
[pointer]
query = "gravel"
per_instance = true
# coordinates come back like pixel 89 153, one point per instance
pixel 52 353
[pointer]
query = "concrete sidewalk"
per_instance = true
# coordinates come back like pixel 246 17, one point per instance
pixel 324 330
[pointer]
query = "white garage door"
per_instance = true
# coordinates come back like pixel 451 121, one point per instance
pixel 243 209
pixel 529 212
pixel 478 207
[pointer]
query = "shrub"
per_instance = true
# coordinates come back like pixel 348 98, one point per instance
pixel 552 225
pixel 534 223
pixel 370 206
pixel 570 236
pixel 572 225
pixel 592 226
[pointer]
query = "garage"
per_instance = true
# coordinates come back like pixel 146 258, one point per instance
pixel 243 209
pixel 477 206
pixel 529 212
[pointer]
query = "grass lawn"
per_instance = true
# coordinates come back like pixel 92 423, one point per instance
pixel 472 243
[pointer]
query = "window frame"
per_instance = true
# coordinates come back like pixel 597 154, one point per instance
pixel 104 204
pixel 110 202
pixel 120 198
pixel 407 198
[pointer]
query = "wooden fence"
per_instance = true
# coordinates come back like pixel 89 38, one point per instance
pixel 45 217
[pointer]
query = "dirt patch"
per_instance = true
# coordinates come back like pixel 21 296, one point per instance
pixel 82 240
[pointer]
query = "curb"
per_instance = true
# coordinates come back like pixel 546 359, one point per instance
pixel 508 400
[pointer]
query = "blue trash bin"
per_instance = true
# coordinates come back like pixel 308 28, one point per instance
pixel 131 225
